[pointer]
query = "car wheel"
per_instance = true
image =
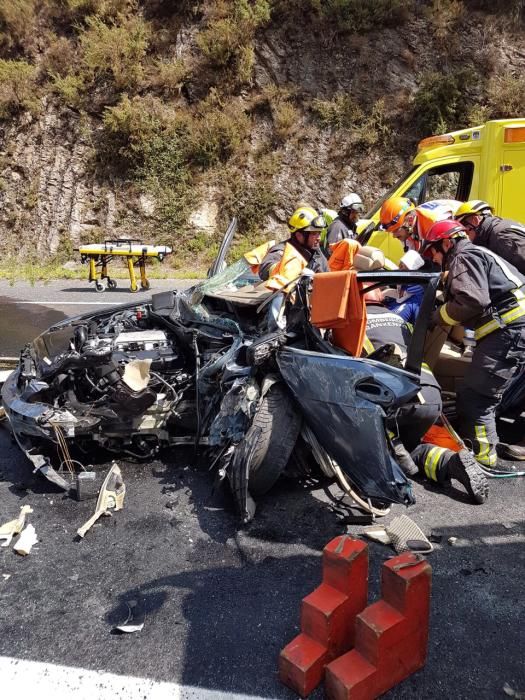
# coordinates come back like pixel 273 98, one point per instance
pixel 279 424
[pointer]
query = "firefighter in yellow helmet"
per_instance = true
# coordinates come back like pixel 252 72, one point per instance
pixel 305 226
pixel 504 237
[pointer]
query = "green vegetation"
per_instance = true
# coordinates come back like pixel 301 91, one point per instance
pixel 168 101
pixel 17 87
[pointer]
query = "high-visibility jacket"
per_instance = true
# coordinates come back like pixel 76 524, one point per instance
pixel 315 260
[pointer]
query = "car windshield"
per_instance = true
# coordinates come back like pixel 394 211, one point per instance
pixel 234 277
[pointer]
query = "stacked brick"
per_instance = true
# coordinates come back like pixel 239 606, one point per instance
pixel 361 651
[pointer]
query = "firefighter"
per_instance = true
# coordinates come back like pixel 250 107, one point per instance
pixel 387 331
pixel 408 223
pixel 484 292
pixel 305 226
pixel 504 237
pixel 345 223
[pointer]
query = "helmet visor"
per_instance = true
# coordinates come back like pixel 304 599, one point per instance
pixel 316 225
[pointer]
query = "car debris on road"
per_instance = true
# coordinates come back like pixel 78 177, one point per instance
pixel 111 497
pixel 14 527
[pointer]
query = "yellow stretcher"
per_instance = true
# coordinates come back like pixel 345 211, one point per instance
pixel 98 255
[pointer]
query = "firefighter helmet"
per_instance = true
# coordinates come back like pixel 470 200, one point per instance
pixel 394 211
pixel 440 231
pixel 352 201
pixel 473 207
pixel 302 218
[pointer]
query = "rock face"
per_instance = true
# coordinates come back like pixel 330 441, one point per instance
pixel 51 199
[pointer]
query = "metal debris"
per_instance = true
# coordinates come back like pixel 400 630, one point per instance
pixel 111 497
pixel 135 619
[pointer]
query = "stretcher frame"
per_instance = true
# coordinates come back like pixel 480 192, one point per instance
pixel 133 250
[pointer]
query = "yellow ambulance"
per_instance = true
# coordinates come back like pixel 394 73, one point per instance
pixel 484 162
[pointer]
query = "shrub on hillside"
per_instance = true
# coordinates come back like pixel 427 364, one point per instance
pixel 353 16
pixel 17 87
pixel 341 112
pixel 227 39
pixel 17 19
pixel 167 77
pixel 444 101
pixel 115 48
pixel 506 96
pixel 216 131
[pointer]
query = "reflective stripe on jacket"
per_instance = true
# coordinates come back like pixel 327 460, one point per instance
pixel 482 290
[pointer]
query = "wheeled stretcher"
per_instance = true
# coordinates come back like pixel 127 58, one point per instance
pixel 98 255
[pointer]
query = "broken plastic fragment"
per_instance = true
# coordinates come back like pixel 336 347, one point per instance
pixel 135 619
pixel 378 534
pixel 26 540
pixel 136 374
pixel 110 497
pixel 13 527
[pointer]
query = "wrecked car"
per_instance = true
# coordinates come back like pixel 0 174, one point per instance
pixel 227 366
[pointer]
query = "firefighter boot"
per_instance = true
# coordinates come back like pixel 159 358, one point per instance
pixel 441 465
pixel 463 467
pixel 403 458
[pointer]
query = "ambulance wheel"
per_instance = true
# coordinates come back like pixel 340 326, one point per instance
pixel 112 284
pixel 133 288
pixel 145 285
pixel 100 286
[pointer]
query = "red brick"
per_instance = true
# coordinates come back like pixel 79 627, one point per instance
pixel 350 677
pixel 378 628
pixel 301 664
pixel 325 618
pixel 345 567
pixel 390 636
pixel 408 589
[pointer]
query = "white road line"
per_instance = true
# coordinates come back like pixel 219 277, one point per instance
pixel 69 303
pixel 30 678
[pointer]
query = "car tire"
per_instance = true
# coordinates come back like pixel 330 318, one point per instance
pixel 278 423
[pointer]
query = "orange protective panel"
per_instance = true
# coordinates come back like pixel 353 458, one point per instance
pixel 337 304
pixel 342 255
pixel 329 299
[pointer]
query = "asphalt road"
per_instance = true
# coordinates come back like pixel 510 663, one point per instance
pixel 222 601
